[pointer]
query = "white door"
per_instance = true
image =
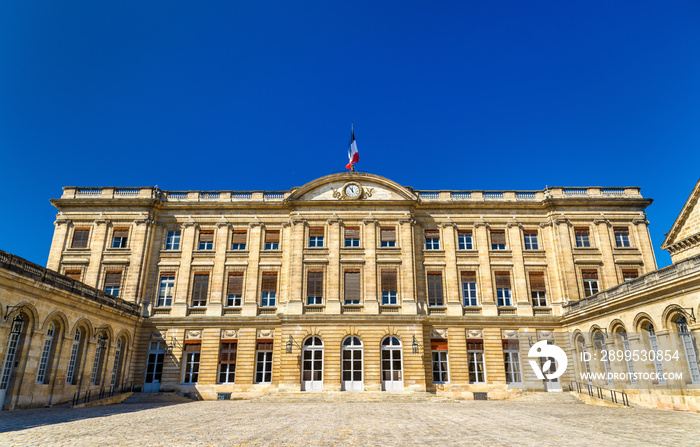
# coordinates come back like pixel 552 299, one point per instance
pixel 392 366
pixel 352 364
pixel 550 385
pixel 312 365
pixel 154 367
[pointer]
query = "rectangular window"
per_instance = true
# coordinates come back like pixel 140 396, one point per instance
pixel 629 275
pixel 206 240
pixel 80 238
pixel 622 237
pixel 511 360
pixel 590 282
pixel 272 240
pixel 166 290
pixel 503 289
pixel 498 240
pixel 316 237
pixel 432 239
pixel 582 237
pixel 464 240
pixel 469 289
pixel 537 289
pixel 113 279
pixel 172 240
pixel 438 349
pixel 119 237
pixel 389 287
pixel 227 362
pixel 531 241
pixel 387 237
pixel 435 297
pixel 238 240
pixel 74 274
pixel 200 289
pixel 234 289
pixel 314 287
pixel 269 289
pixel 352 236
pixel 263 361
pixel 475 358
pixel 191 363
pixel 352 286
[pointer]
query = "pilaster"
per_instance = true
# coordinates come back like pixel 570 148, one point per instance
pixel 218 281
pixel 453 299
pixel 371 303
pixel 97 246
pixel 486 292
pixel 335 241
pixel 180 302
pixel 59 242
pixel 251 295
pixel 405 236
pixel 604 238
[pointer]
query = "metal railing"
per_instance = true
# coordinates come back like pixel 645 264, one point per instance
pixel 616 397
pixel 89 395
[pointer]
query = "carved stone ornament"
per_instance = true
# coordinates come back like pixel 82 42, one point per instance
pixel 475 333
pixel 193 334
pixel 158 335
pixel 438 333
pixel 509 335
pixel 229 334
pixel 545 335
pixel 266 333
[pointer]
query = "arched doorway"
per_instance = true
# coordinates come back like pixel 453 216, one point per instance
pixel 392 365
pixel 352 364
pixel 312 365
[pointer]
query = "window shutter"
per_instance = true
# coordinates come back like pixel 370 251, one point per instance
pixel 235 283
pixel 272 236
pixel 432 234
pixel 389 281
pixel 200 287
pixel 120 232
pixel 264 345
pixel 589 274
pixel 352 233
pixel 530 232
pixel 314 283
pixel 239 237
pixel 625 273
pixel 193 347
pixel 228 353
pixel 316 232
pixel 498 237
pixel 73 274
pixel 435 286
pixel 502 280
pixel 269 282
pixel 438 344
pixel 388 234
pixel 352 285
pixel 113 278
pixel 581 231
pixel 475 345
pixel 468 276
pixel 537 282
pixel 206 236
pixel 511 344
pixel 80 237
pixel 464 231
pixel 621 230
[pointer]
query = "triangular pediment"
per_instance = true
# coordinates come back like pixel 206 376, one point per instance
pixel 687 223
pixel 371 188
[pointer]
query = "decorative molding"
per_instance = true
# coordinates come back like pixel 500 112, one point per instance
pixel 474 333
pixel 602 220
pixel 561 220
pixel 265 333
pixel 438 333
pixel 296 220
pixel 189 223
pixel 546 223
pixel 513 223
pixel 447 223
pixel 256 223
pixel 334 220
pixel 102 220
pixel 480 223
pixel 193 334
pixel 158 335
pixel 229 334
pixel 545 335
pixel 640 221
pixel 509 334
pixel 370 220
pixel 407 220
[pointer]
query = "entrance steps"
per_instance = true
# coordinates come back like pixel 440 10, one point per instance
pixel 350 396
pixel 156 398
pixel 536 396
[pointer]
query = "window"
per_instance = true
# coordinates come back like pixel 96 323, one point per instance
pixel 531 242
pixel 469 289
pixel 387 237
pixel 74 274
pixel 41 376
pixel 630 363
pixel 73 359
pixel 165 290
pixel 314 287
pixel 119 237
pixel 654 344
pixel 629 275
pixel 272 240
pixel 389 288
pixel 622 237
pixel 438 348
pixel 464 240
pixel 590 282
pixel 582 237
pixel 352 236
pixel 97 362
pixel 200 289
pixel 80 238
pixel 113 279
pixel 689 346
pixel 234 290
pixel 263 362
pixel 172 240
pixel 432 239
pixel 498 240
pixel 316 237
pixel 503 289
pixel 117 357
pixel 206 240
pixel 352 286
pixel 191 363
pixel 537 289
pixel 511 360
pixel 475 358
pixel 435 297
pixel 238 240
pixel 227 362
pixel 269 289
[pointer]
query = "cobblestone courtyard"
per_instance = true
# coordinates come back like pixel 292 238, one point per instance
pixel 547 420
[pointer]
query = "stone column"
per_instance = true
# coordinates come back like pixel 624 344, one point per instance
pixel 59 242
pixel 641 229
pixel 137 246
pixel 520 293
pixel 251 294
pixel 407 279
pixel 564 251
pixel 296 267
pixel 371 304
pixel 283 293
pixel 218 280
pixel 453 297
pixel 554 273
pixel 332 289
pixel 486 291
pixel 493 357
pixel 608 273
pixel 180 300
pixel 97 246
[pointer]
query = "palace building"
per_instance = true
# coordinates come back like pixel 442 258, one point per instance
pixel 350 283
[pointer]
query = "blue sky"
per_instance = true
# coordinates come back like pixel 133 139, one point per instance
pixel 260 95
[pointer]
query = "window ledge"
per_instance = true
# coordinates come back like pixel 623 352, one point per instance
pixel 468 251
pixel 506 252
pixel 397 248
pixel 237 252
pixel 171 253
pixel 539 251
pixel 203 252
pixel 78 250
pixel 439 252
pixel 120 251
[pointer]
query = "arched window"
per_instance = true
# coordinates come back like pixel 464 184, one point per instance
pixel 46 354
pixel 392 364
pixel 599 343
pixel 689 346
pixel 584 356
pixel 75 356
pixel 628 356
pixel 352 364
pixel 117 358
pixel 97 365
pixel 654 345
pixel 13 344
pixel 312 365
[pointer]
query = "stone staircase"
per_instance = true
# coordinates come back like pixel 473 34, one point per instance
pixel 156 398
pixel 347 396
pixel 536 396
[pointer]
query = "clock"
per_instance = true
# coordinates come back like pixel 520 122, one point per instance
pixel 352 191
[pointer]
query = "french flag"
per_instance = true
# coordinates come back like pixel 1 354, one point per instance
pixel 353 155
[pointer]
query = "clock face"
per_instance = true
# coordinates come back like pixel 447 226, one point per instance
pixel 352 191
